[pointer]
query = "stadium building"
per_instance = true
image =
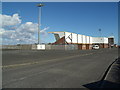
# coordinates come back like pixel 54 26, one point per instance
pixel 83 41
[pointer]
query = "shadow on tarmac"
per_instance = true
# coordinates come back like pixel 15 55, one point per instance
pixel 98 85
pixel 103 84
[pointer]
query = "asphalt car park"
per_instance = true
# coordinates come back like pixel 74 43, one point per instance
pixel 55 69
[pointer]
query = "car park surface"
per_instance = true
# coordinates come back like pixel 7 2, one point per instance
pixel 55 69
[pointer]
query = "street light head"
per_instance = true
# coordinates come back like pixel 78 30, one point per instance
pixel 40 5
pixel 99 29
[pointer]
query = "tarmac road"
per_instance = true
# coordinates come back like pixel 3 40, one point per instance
pixel 55 69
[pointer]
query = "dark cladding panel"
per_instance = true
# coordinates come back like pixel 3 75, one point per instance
pixel 111 41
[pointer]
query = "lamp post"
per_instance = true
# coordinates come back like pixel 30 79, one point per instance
pixel 100 33
pixel 100 38
pixel 39 18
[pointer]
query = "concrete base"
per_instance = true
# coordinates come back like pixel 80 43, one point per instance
pixel 40 47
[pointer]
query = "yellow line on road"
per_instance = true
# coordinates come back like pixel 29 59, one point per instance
pixel 41 62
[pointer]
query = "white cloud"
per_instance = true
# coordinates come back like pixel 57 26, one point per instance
pixel 22 34
pixel 10 20
pixel 28 27
pixel 2 31
pixel 43 32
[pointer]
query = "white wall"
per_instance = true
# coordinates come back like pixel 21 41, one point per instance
pixel 77 38
pixel 91 40
pixel 106 40
pixel 41 47
pixel 88 39
pixel 99 40
pixel 84 39
pixel 74 38
pixel 80 38
pixel 67 38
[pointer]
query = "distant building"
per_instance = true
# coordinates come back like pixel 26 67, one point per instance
pixel 111 40
pixel 83 41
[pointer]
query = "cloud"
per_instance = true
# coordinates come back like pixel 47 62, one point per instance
pixel 43 32
pixel 22 34
pixel 10 20
pixel 28 27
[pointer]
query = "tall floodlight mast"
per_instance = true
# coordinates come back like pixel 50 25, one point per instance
pixel 39 19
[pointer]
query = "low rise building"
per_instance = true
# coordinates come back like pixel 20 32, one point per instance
pixel 83 41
